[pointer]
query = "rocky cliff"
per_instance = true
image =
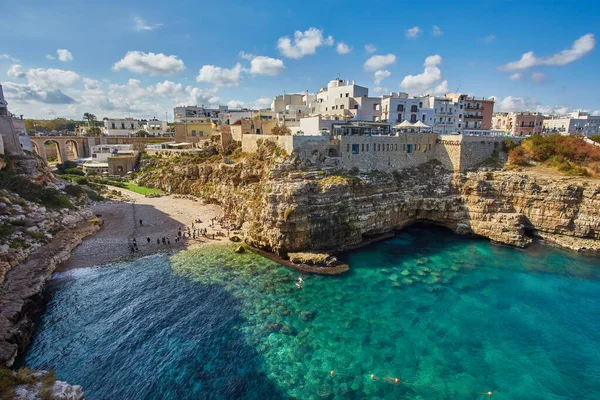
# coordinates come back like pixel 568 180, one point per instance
pixel 285 205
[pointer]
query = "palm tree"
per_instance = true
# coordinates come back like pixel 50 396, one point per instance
pixel 89 117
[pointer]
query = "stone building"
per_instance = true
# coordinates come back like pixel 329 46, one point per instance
pixel 8 130
pixel 252 127
pixel 195 131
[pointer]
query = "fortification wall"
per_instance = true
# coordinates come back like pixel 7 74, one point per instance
pixel 387 153
pixel 461 153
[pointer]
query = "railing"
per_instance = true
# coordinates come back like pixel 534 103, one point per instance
pixel 473 116
pixel 468 107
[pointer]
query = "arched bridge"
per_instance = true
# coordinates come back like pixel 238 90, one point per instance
pixel 67 147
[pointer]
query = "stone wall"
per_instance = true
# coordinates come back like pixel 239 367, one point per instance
pixel 462 152
pixel 387 153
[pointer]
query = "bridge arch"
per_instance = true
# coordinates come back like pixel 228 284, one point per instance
pixel 72 149
pixel 60 150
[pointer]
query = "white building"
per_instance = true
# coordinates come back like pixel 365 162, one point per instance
pixel 399 107
pixel 575 123
pixel 155 127
pixel 280 103
pixel 315 126
pixel 196 113
pixel 345 100
pixel 101 152
pixel 233 116
pixel 120 127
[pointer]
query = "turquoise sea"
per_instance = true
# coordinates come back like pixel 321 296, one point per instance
pixel 450 317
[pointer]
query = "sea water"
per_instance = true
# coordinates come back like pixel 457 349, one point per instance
pixel 450 317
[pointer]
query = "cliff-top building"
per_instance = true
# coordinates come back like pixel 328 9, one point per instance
pixel 8 131
pixel 518 123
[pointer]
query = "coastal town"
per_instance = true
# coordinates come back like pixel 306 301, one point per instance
pixel 318 201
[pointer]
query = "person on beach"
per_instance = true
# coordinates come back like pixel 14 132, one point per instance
pixel 168 241
pixel 141 222
pixel 163 241
pixel 148 239
pixel 157 241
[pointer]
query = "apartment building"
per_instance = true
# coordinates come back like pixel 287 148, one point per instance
pixel 474 113
pixel 155 127
pixel 120 127
pixel 518 123
pixel 575 123
pixel 345 100
pixel 399 107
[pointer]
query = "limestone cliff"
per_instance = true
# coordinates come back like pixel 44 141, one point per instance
pixel 285 205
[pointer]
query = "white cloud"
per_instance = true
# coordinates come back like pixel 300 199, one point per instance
pixel 139 24
pixel 64 55
pixel 413 32
pixel 511 103
pixel 379 89
pixel 15 71
pixel 26 93
pixel 489 38
pixel 91 84
pixel 516 76
pixel 369 48
pixel 258 104
pixel 380 75
pixel 220 76
pixel 50 57
pixel 168 88
pixel 304 43
pixel 150 63
pixel 578 49
pixel 538 77
pixel 245 56
pixel 51 78
pixel 266 66
pixel 432 61
pixel 342 48
pixel 437 31
pixel 428 82
pixel 9 58
pixel 379 62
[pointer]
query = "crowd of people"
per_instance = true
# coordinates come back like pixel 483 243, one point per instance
pixel 188 232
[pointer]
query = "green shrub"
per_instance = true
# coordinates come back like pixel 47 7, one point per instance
pixel 52 198
pixel 95 196
pixel 82 181
pixel 74 171
pixel 74 190
pixel 7 384
pixel 24 377
pixel 5 231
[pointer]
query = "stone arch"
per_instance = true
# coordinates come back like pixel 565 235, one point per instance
pixel 35 149
pixel 60 156
pixel 72 149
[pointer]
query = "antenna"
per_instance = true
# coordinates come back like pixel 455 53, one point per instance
pixel 458 87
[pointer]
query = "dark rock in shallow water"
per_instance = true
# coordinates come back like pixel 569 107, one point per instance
pixel 308 315
pixel 277 327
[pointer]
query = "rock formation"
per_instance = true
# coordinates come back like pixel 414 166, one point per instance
pixel 286 206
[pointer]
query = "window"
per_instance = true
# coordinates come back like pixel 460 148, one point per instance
pixel 131 126
pixel 409 148
pixel 347 94
pixel 461 106
pixel 459 115
pixel 258 132
pixel 429 146
pixel 113 125
pixel 420 104
pixel 341 106
pixel 325 108
pixel 193 133
pixel 201 133
pixel 400 107
pixel 367 146
pixel 363 147
pixel 459 125
pixel 413 108
pixel 400 117
pixel 375 106
pixel 355 149
pixel 341 96
pixel 378 147
pixel 395 147
pixel 122 125
pixel 423 118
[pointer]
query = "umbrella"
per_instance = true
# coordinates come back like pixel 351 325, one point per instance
pixel 420 124
pixel 404 124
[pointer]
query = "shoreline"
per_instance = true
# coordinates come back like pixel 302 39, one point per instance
pixel 161 217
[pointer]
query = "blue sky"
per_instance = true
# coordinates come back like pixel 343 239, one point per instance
pixel 140 58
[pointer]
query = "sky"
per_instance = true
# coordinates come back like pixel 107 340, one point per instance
pixel 141 58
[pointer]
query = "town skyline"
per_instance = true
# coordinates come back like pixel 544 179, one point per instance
pixel 148 60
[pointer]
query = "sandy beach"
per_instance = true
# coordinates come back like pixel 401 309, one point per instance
pixel 161 217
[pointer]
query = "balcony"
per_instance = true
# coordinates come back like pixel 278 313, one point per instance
pixel 467 116
pixel 472 107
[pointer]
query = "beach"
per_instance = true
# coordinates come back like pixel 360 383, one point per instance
pixel 160 216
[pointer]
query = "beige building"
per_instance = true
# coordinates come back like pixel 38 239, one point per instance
pixel 252 127
pixel 474 113
pixel 194 132
pixel 518 123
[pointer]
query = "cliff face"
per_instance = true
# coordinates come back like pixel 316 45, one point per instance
pixel 286 207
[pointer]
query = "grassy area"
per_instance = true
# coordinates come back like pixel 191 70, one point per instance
pixel 141 189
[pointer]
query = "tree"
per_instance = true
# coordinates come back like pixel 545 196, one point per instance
pixel 141 133
pixel 90 118
pixel 94 131
pixel 280 130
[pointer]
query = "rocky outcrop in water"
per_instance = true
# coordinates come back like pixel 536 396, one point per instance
pixel 287 206
pixel 38 385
